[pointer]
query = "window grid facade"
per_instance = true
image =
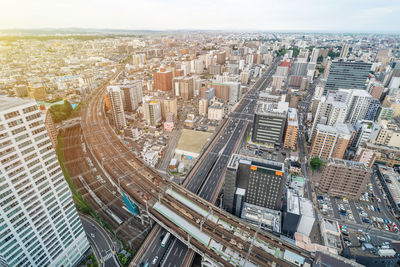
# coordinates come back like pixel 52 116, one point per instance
pixel 32 188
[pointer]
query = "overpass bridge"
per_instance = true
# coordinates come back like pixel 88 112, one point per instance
pixel 216 235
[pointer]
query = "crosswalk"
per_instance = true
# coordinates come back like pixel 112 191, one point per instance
pixel 108 256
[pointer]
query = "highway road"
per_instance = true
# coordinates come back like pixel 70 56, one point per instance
pixel 101 243
pixel 208 178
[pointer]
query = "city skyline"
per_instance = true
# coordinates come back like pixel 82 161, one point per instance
pixel 332 16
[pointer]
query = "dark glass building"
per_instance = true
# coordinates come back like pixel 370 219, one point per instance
pixel 347 75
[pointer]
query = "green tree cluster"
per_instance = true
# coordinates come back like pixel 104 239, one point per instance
pixel 61 112
pixel 296 51
pixel 316 164
pixel 320 59
pixel 333 55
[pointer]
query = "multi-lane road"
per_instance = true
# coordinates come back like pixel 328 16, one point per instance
pixel 207 179
pixel 101 243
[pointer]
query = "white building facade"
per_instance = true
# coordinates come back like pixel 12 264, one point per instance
pixel 39 224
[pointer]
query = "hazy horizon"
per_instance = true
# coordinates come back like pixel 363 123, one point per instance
pixel 369 16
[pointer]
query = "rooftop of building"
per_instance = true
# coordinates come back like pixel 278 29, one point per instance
pixel 293 204
pixel 348 164
pixel 292 117
pixel 256 162
pixel 113 88
pixel 340 128
pixel 330 259
pixel 271 108
pixel 383 147
pixel 12 102
pixel 394 185
pixel 267 217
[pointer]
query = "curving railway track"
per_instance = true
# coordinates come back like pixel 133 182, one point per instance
pixel 147 187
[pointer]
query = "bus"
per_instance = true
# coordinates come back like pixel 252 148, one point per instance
pixel 165 239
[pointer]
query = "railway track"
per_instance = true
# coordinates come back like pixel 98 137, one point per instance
pixel 147 187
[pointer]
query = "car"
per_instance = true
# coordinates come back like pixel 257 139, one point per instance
pixel 366 220
pixel 92 235
pixel 154 260
pixel 367 237
pixel 386 227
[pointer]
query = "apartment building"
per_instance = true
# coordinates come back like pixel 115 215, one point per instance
pixel 38 220
pixel 330 141
pixel 132 95
pixel 115 99
pixel 292 129
pixel 344 178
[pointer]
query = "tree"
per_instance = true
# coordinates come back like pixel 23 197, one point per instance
pixel 61 112
pixel 316 164
pixel 332 54
pixel 320 59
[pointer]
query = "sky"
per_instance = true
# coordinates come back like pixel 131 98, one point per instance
pixel 269 15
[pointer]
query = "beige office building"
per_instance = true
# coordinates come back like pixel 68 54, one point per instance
pixel 344 178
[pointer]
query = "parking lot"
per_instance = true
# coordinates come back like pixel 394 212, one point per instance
pixel 362 220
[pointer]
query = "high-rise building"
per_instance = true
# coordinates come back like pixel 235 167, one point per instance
pixel 292 129
pixel 345 51
pixel 215 69
pixel 277 82
pixel 263 181
pixel 203 107
pixel 300 68
pixel 244 77
pixel 132 95
pixel 365 156
pixel 21 90
pixel 169 105
pixel 364 129
pixel 385 113
pixel 347 75
pixel 359 103
pixel 37 91
pixel 329 112
pixel 344 178
pixel 330 141
pixel 314 55
pixel 139 59
pixel 376 90
pixel 117 107
pixel 373 108
pixel 234 92
pixel 216 111
pixel 186 88
pixel 269 122
pixel 39 222
pixel 162 80
pixel 152 112
pixel 221 57
pixel 221 91
pixel 50 127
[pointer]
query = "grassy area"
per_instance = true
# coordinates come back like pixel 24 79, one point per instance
pixel 76 111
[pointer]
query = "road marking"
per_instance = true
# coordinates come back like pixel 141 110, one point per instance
pixel 107 257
